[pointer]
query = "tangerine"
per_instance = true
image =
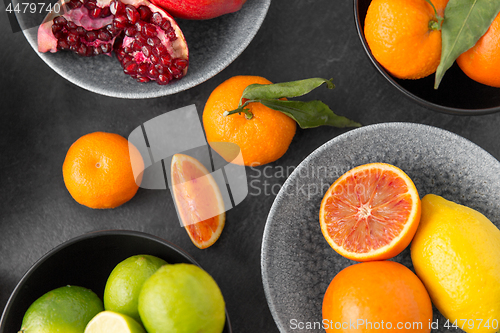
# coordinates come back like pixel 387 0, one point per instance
pixel 371 212
pixel 405 36
pixel 482 62
pixel 262 139
pixel 376 296
pixel 97 170
pixel 198 200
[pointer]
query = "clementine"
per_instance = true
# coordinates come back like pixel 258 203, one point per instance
pixel 97 170
pixel 482 62
pixel 405 36
pixel 262 139
pixel 376 296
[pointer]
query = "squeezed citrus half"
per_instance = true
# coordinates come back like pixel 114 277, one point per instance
pixel 371 212
pixel 198 200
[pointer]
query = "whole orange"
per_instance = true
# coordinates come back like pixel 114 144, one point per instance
pixel 482 62
pixel 97 170
pixel 404 36
pixel 262 139
pixel 376 296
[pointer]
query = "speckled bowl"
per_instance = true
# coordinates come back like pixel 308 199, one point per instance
pixel 457 93
pixel 297 262
pixel 86 261
pixel 213 45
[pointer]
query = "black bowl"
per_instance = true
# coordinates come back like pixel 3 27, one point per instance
pixel 85 261
pixel 457 93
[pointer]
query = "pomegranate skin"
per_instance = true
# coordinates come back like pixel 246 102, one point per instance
pixel 199 9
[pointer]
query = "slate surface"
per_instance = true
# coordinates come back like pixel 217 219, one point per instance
pixel 42 114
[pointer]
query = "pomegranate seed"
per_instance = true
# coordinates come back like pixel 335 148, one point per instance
pixel 71 25
pixel 80 31
pixel 143 69
pixel 162 79
pixel 116 7
pixel 180 63
pixel 105 12
pixel 142 79
pixel 140 39
pixel 56 28
pixel 60 20
pixel 160 68
pixel 130 68
pixel 154 59
pixel 149 30
pixel 128 49
pixel 104 35
pixel 146 50
pixel 97 50
pixel 72 39
pixel 145 13
pixel 73 47
pixel 82 50
pixel 90 51
pixel 95 13
pixel 132 14
pixel 156 18
pixel 90 36
pixel 106 48
pixel 175 71
pixel 171 35
pixel 126 59
pixel 166 24
pixel 70 5
pixel 120 22
pixel 62 44
pixel 130 31
pixel 159 50
pixel 152 72
pixel 120 55
pixel 90 4
pixel 136 46
pixel 59 35
pixel 139 26
pixel 165 60
pixel 151 41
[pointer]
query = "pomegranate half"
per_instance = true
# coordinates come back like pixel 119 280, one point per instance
pixel 147 41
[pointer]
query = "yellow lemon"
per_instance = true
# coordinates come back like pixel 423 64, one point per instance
pixel 456 254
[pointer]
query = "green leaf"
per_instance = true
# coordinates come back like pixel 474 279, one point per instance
pixel 465 21
pixel 309 114
pixel 285 89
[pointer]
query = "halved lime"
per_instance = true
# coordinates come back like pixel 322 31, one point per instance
pixel 122 289
pixel 113 322
pixel 67 309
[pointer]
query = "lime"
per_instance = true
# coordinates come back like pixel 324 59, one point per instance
pixel 181 298
pixel 122 289
pixel 67 309
pixel 113 322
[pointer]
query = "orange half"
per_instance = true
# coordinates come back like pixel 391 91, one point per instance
pixel 371 212
pixel 198 200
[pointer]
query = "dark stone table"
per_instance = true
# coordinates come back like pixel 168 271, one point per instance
pixel 42 114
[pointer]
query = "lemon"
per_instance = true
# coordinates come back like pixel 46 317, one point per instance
pixel 456 254
pixel 67 309
pixel 113 322
pixel 181 298
pixel 121 293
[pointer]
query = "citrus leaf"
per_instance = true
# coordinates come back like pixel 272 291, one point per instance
pixel 465 21
pixel 284 90
pixel 309 114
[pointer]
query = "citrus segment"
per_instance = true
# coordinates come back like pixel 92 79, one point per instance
pixel 113 322
pixel 370 213
pixel 198 200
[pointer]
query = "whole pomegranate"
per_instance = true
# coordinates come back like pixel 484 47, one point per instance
pixel 199 9
pixel 147 41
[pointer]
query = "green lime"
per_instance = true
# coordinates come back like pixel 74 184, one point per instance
pixel 67 309
pixel 124 284
pixel 181 298
pixel 113 322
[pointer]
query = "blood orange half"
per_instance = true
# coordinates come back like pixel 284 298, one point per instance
pixel 371 212
pixel 198 200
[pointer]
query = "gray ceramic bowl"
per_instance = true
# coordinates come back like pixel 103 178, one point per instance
pixel 297 262
pixel 85 261
pixel 457 93
pixel 213 45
